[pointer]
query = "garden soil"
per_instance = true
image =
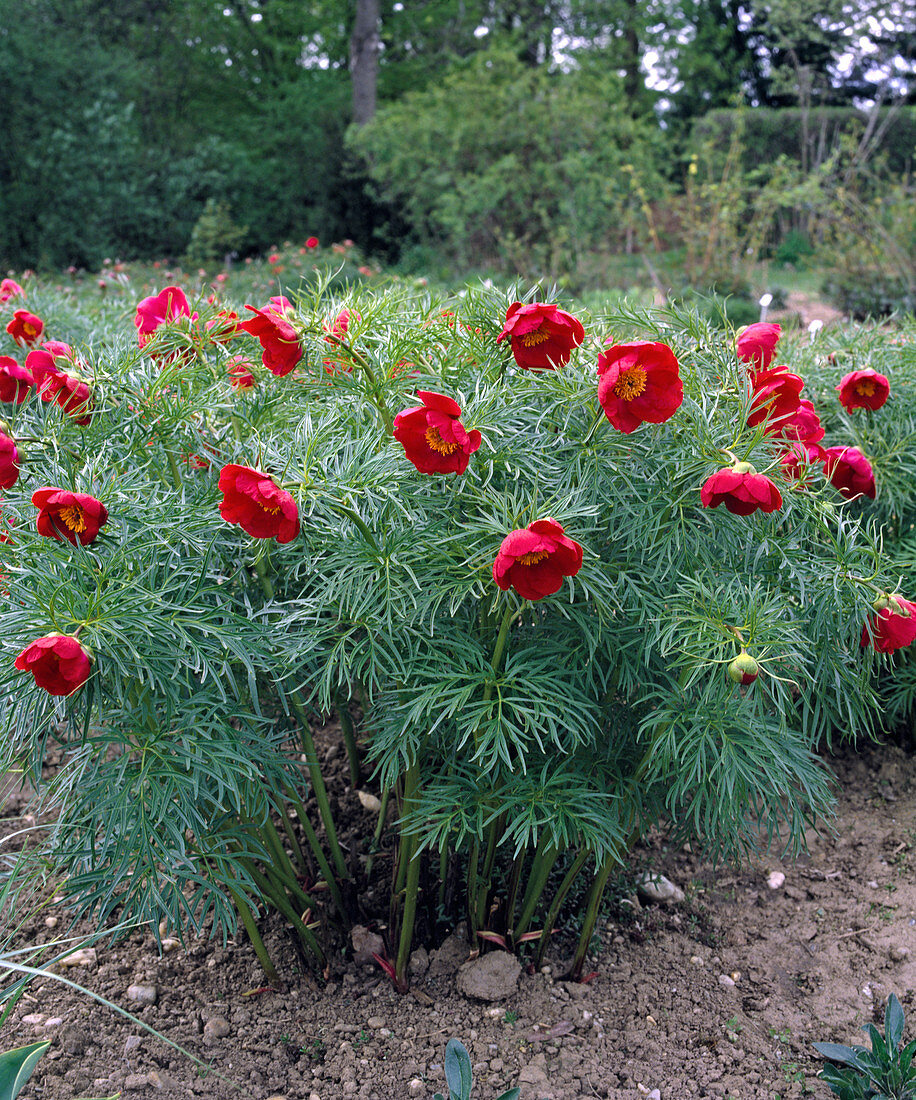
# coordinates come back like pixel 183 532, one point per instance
pixel 719 994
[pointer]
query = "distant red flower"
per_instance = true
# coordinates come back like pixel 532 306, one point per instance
pixel 863 389
pixel 741 489
pixel 534 560
pixel 9 288
pixel 257 504
pixel 757 344
pixel 338 328
pixel 9 462
pixel 195 462
pixel 850 472
pixel 311 242
pixel 25 328
pixel 16 382
pixel 542 337
pixel 58 662
pixel 802 426
pixel 159 309
pixel 76 517
pixel 273 258
pixel 639 383
pixel 893 627
pixel 240 376
pixel 433 437
pixel 775 397
pixel 281 349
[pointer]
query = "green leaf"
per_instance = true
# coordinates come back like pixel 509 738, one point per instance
pixel 16 1068
pixel 893 1023
pixel 510 1094
pixel 836 1052
pixel 458 1070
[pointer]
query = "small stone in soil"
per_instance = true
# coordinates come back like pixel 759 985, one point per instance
pixel 215 1028
pixel 775 879
pixel 898 954
pixel 85 957
pixel 143 994
pixel 490 977
pixel 658 888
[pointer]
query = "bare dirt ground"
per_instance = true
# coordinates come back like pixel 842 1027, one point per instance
pixel 718 995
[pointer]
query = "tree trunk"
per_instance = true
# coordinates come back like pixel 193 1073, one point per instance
pixel 364 51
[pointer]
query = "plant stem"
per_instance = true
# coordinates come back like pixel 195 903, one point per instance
pixel 280 902
pixel 591 916
pixel 408 917
pixel 571 875
pixel 473 860
pixel 541 866
pixel 241 905
pixel 308 748
pixel 323 866
pixel 346 728
pixel 379 829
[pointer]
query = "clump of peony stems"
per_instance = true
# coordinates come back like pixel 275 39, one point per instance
pixel 490 528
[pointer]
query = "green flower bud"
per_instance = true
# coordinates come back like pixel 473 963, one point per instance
pixel 744 669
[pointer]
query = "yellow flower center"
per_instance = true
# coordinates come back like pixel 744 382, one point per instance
pixel 270 511
pixel 865 388
pixel 630 383
pixel 532 557
pixel 74 518
pixel 438 444
pixel 532 339
pixel 29 330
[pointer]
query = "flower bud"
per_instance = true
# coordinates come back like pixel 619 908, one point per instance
pixel 744 669
pixel 743 468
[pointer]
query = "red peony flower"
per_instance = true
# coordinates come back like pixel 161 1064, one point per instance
pixel 433 437
pixel 534 560
pixel 9 462
pixel 158 310
pixel 16 382
pixel 803 426
pixel 58 662
pixel 639 383
pixel 863 389
pixel 311 242
pixel 542 336
pixel 257 504
pixel 68 390
pixel 741 489
pixel 796 463
pixel 894 626
pixel 757 344
pixel 76 517
pixel 9 288
pixel 279 341
pixel 225 326
pixel 25 328
pixel 776 397
pixel 850 471
pixel 240 376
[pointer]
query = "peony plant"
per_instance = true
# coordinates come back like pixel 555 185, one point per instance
pixel 490 532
